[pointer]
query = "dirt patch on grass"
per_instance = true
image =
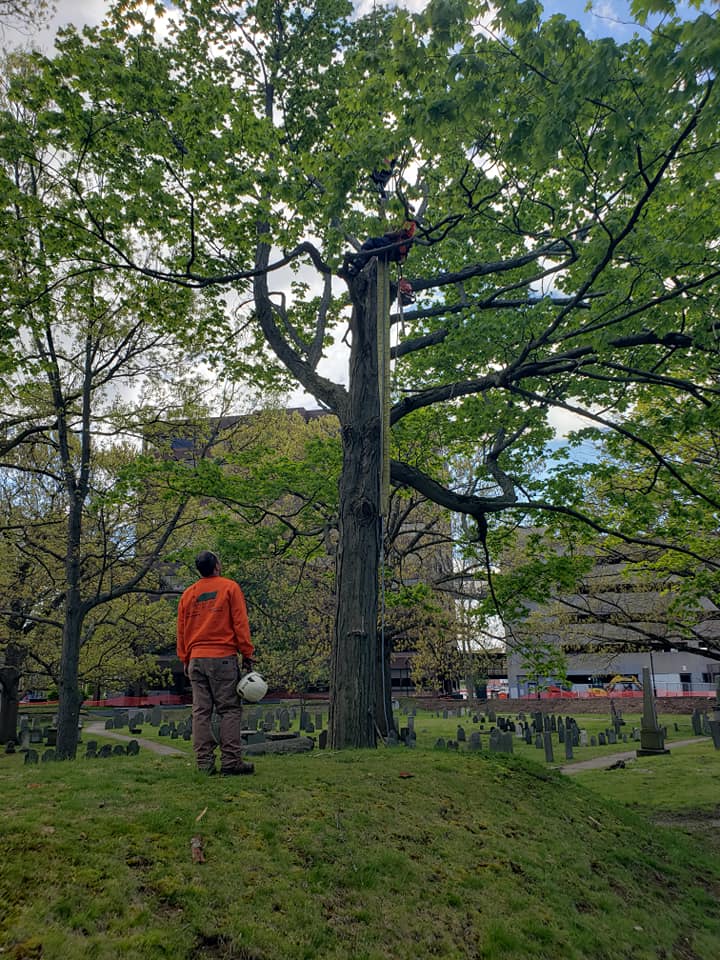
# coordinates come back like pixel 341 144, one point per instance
pixel 701 824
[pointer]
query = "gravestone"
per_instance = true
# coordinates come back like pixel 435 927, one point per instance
pixel 495 736
pixel 715 733
pixel 24 738
pixel 593 741
pixel 561 731
pixel 539 740
pixel 474 743
pixel 601 739
pixel 322 739
pixel 460 736
pixel 156 716
pixel 119 750
pixel 696 722
pixel 10 746
pixel 440 743
pixel 187 735
pixel 284 720
pixel 133 748
pixel 706 726
pixel 110 724
pixel 32 756
pixel 105 751
pixel 528 734
pixel 164 730
pixel 568 748
pixel 548 744
pixel 48 756
pixel 583 738
pixel 318 721
pixel 92 745
pixel 611 736
pixel 91 750
pixel 652 738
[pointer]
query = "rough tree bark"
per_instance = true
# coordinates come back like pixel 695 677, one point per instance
pixel 354 664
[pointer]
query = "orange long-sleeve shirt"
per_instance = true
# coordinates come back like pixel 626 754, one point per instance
pixel 212 620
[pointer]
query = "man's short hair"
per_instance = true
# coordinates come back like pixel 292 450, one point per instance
pixel 206 563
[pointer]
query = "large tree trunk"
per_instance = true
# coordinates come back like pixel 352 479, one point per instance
pixel 69 698
pixel 9 685
pixel 353 664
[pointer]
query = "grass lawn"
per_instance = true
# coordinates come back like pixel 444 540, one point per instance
pixel 359 855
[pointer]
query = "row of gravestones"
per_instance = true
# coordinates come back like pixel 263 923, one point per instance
pixel 701 723
pixel 31 735
pixel 177 730
pixel 92 751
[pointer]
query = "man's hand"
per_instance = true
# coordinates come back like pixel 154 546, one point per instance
pixel 247 664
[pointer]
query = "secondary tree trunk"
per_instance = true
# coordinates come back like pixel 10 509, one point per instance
pixel 9 685
pixel 353 663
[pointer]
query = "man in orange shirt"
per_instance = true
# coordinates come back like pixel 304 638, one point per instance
pixel 212 629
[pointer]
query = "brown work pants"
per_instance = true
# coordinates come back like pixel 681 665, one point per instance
pixel 214 684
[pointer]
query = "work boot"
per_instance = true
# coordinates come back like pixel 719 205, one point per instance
pixel 208 771
pixel 242 768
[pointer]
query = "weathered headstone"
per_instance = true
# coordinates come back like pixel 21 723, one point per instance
pixel 31 756
pixel 48 756
pixel 461 736
pixel 322 739
pixel 601 739
pixel 568 748
pixel 440 743
pixel 133 748
pixel 548 744
pixel 156 716
pixel 652 738
pixel 474 742
pixel 715 733
pixel 119 750
pixel 105 751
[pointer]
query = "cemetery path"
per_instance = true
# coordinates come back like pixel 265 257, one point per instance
pixel 601 763
pixel 98 729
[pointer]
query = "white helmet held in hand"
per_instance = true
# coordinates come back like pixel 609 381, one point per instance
pixel 252 687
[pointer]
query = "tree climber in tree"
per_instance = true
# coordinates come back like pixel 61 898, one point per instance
pixel 393 246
